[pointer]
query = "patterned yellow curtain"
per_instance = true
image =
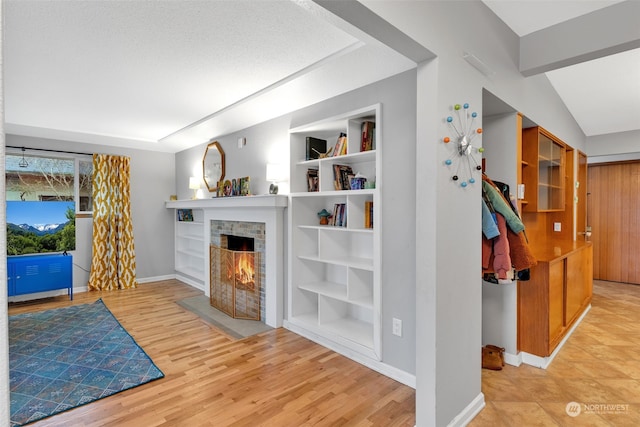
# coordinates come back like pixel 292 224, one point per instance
pixel 113 263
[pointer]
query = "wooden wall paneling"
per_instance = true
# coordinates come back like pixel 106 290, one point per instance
pixel 593 216
pixel 633 204
pixel 613 213
pixel 623 201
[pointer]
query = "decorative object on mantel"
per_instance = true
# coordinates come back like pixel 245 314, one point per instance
pixel 463 155
pixel 213 167
pixel 324 216
pixel 235 187
pixel 275 175
pixel 194 184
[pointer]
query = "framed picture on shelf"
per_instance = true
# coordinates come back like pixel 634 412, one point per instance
pixel 185 215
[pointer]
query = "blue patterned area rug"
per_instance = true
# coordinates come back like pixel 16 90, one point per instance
pixel 67 357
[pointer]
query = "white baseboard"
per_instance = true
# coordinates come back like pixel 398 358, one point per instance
pixel 513 359
pixel 188 281
pixel 469 412
pixel 544 362
pixel 156 278
pixel 376 365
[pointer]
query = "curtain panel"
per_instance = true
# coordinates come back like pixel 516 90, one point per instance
pixel 113 262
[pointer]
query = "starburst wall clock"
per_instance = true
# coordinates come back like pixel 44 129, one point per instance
pixel 463 162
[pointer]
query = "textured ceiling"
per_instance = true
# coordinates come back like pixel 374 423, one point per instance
pixel 167 75
pixel 142 70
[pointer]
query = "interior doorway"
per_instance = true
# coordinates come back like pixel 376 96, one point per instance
pixel 613 212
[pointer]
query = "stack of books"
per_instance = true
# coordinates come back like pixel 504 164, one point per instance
pixel 342 175
pixel 339 216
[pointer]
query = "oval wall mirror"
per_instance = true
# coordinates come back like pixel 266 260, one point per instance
pixel 213 165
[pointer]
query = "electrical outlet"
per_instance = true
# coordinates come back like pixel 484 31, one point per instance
pixel 557 226
pixel 397 327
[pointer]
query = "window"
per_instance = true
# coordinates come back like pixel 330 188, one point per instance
pixel 42 197
pixel 85 198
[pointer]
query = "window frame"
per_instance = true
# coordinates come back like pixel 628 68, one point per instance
pixel 76 157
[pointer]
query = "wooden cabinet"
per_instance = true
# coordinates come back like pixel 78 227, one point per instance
pixel 544 173
pixel 559 291
pixel 334 277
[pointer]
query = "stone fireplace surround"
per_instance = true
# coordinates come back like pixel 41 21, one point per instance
pixel 268 210
pixel 254 230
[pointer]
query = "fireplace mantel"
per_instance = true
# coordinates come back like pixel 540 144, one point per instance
pixel 263 201
pixel 267 209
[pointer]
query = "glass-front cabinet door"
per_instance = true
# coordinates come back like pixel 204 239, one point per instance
pixel 544 174
pixel 550 174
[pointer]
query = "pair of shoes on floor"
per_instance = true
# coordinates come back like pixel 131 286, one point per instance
pixel 492 357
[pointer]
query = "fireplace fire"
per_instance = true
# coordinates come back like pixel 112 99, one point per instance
pixel 235 286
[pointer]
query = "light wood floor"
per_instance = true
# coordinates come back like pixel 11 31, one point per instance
pixel 276 378
pixel 599 365
pixel 280 379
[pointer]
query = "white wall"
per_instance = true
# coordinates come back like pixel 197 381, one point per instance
pixel 269 141
pixel 499 302
pixel 152 181
pixel 266 143
pixel 613 147
pixel 448 253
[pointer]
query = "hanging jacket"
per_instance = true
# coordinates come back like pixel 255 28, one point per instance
pixel 493 257
pixel 489 226
pixel 501 206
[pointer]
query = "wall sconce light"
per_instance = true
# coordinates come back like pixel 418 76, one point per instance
pixel 194 184
pixel 275 175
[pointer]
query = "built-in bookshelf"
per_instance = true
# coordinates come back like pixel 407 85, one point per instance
pixel 334 276
pixel 190 245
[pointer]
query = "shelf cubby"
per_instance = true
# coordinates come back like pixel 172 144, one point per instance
pixel 334 279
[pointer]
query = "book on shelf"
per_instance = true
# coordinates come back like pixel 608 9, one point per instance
pixel 312 180
pixel 368 214
pixel 342 175
pixel 340 149
pixel 367 141
pixel 339 216
pixel 315 147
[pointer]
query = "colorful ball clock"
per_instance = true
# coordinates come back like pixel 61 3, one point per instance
pixel 463 162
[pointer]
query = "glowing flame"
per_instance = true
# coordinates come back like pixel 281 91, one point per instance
pixel 244 268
